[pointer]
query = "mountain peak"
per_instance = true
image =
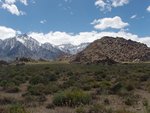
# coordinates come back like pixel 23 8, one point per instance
pixel 23 36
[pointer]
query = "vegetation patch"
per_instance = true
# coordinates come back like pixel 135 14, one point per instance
pixel 71 97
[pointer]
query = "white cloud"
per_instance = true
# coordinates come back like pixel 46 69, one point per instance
pixel 43 21
pixel 133 16
pixel 58 38
pixel 55 38
pixel 103 5
pixel 14 1
pixel 107 5
pixel 12 8
pixel 148 8
pixel 10 1
pixel 117 3
pixel 6 32
pixel 105 23
pixel 24 2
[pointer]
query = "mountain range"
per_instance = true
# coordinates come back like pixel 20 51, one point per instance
pixel 26 46
pixel 115 49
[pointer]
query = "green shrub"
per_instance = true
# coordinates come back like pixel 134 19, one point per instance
pixel 80 109
pixel 71 97
pixel 38 79
pixel 100 75
pixel 51 88
pixel 17 109
pixel 104 87
pixel 38 89
pixel 9 87
pixel 116 88
pixel 20 79
pixel 51 76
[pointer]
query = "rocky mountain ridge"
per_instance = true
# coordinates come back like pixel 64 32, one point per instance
pixel 117 49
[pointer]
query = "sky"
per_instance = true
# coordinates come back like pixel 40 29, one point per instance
pixel 75 21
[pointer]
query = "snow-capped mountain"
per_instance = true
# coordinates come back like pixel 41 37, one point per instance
pixel 28 42
pixel 25 46
pixel 72 49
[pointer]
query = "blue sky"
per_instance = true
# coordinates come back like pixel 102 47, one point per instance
pixel 75 17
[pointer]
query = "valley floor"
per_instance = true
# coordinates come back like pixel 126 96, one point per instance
pixel 59 87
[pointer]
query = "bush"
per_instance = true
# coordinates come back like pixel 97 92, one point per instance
pixel 80 109
pixel 41 89
pixel 38 79
pixel 9 87
pixel 50 76
pixel 116 88
pixel 51 88
pixel 17 109
pixel 71 97
pixel 104 87
pixel 38 89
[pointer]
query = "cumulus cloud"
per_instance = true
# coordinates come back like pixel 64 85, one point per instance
pixel 148 8
pixel 10 6
pixel 6 32
pixel 107 5
pixel 105 23
pixel 58 38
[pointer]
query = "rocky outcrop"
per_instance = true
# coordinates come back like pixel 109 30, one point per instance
pixel 114 49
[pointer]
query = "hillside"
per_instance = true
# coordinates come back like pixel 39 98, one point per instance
pixel 117 49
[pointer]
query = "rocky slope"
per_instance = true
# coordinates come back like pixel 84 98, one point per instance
pixel 117 49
